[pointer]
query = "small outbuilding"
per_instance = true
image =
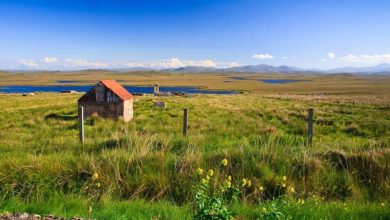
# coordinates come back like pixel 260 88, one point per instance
pixel 108 99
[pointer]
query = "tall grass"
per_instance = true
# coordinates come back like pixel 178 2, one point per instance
pixel 148 159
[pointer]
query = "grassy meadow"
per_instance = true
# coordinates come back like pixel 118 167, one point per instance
pixel 147 164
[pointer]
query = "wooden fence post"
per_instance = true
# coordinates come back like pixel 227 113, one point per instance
pixel 310 127
pixel 81 124
pixel 185 122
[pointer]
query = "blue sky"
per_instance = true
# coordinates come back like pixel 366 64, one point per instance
pixel 76 34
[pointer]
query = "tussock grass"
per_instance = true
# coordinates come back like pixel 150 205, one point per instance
pixel 149 160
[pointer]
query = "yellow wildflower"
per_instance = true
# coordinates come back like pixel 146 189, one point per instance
pixel 284 185
pixel 383 204
pixel 249 183
pixel 199 171
pixel 98 185
pixel 228 184
pixel 243 182
pixel 204 181
pixel 291 189
pixel 224 162
pixel 95 176
pixel 229 178
pixel 261 188
pixel 211 172
pixel 284 178
pixel 264 210
pixel 207 177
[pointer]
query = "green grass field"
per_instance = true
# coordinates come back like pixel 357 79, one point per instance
pixel 147 168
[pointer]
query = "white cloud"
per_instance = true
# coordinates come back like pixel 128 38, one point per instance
pixel 170 63
pixel 50 60
pixel 84 63
pixel 69 63
pixel 372 59
pixel 207 63
pixel 173 63
pixel 129 64
pixel 176 62
pixel 284 58
pixel 231 64
pixel 29 63
pixel 262 56
pixel 331 55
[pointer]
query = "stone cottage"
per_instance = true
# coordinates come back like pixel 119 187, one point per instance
pixel 108 99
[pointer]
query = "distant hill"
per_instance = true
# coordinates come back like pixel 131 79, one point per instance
pixel 192 69
pixel 263 68
pixel 133 69
pixel 383 68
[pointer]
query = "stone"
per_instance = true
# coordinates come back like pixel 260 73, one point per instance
pixel 160 104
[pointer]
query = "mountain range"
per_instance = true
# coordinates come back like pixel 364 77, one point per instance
pixel 383 68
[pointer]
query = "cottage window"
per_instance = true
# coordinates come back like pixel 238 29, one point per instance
pixel 111 97
pixel 108 96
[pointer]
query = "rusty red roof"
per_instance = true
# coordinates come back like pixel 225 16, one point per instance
pixel 117 88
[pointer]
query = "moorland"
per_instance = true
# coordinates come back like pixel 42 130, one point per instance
pixel 124 169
